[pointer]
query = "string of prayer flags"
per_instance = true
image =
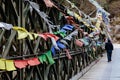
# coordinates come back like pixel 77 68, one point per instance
pixel 78 17
pixel 48 3
pixel 20 63
pixel 10 65
pixel 74 14
pixel 104 16
pixel 6 25
pixel 23 33
pixel 2 64
pixel 95 3
pixel 99 20
pixel 23 63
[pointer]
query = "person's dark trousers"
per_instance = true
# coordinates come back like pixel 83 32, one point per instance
pixel 109 55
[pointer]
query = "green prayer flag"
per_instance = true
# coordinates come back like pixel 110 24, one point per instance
pixel 49 57
pixel 43 58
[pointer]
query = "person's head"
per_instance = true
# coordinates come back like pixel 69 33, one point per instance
pixel 109 40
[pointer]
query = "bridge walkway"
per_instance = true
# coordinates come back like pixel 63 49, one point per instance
pixel 104 70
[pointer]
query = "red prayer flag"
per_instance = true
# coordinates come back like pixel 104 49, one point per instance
pixel 43 36
pixel 20 63
pixel 33 61
pixel 48 35
pixel 52 36
pixel 78 43
pixel 68 54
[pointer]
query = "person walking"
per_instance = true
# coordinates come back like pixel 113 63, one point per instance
pixel 109 48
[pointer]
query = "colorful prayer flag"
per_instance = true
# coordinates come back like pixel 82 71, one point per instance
pixel 68 54
pixel 23 33
pixel 33 61
pixel 2 64
pixel 20 63
pixel 10 65
pixel 49 57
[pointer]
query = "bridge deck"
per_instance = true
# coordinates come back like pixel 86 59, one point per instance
pixel 104 70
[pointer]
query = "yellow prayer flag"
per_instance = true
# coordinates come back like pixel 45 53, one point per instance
pixel 23 33
pixel 30 36
pixel 19 29
pixel 10 65
pixel 77 16
pixel 2 64
pixel 98 25
pixel 85 23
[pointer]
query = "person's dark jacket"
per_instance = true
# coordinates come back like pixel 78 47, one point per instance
pixel 109 45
